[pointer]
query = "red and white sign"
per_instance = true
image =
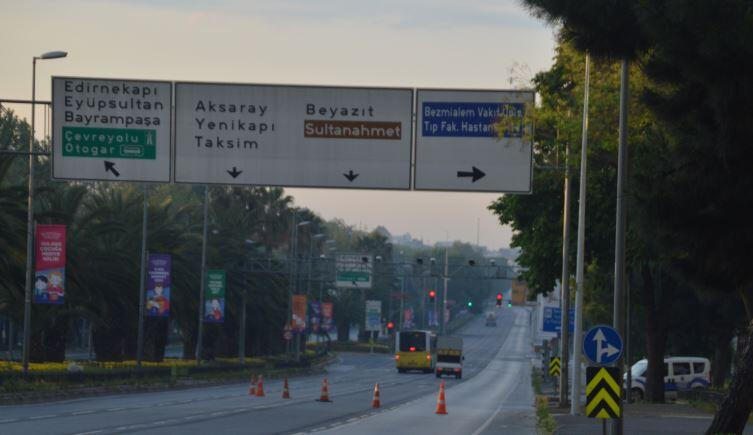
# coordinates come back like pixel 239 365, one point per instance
pixel 49 276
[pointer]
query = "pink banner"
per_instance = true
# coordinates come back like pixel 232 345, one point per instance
pixel 49 276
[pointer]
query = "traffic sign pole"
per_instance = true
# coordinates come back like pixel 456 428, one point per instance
pixel 619 248
pixel 575 393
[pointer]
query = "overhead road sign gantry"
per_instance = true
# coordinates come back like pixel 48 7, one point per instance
pixel 470 140
pixel 108 129
pixel 293 136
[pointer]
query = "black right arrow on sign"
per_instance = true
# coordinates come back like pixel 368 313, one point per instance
pixel 475 175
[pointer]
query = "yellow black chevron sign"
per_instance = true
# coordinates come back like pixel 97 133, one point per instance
pixel 554 366
pixel 603 392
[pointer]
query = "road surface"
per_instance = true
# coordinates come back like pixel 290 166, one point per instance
pixel 494 395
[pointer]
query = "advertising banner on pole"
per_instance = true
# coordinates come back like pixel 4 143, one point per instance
pixel 408 318
pixel 49 275
pixel 298 324
pixel 316 316
pixel 214 299
pixel 373 315
pixel 328 323
pixel 158 285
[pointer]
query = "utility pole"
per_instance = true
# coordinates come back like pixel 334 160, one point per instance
pixel 445 278
pixel 200 337
pixel 565 280
pixel 619 238
pixel 578 337
pixel 140 338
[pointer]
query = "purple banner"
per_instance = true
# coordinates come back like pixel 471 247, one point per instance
pixel 158 285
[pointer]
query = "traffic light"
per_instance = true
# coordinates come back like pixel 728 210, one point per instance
pixel 509 305
pixel 390 327
pixel 499 299
pixel 470 304
pixel 432 295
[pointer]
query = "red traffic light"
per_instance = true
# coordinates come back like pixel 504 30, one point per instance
pixel 432 293
pixel 499 296
pixel 390 325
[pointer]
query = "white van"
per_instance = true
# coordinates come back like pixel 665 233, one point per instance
pixel 680 373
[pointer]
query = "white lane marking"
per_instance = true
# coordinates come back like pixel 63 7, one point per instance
pixel 8 420
pixel 39 417
pixel 82 412
pixel 115 409
pixel 89 433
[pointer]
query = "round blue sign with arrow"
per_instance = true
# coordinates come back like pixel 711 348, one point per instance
pixel 602 345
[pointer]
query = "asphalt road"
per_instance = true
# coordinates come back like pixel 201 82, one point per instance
pixel 494 395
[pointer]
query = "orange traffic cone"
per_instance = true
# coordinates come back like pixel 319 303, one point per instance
pixel 441 407
pixel 285 390
pixel 325 392
pixel 260 387
pixel 375 403
pixel 252 387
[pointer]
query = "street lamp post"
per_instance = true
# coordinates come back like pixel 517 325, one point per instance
pixel 295 280
pixel 242 332
pixel 30 205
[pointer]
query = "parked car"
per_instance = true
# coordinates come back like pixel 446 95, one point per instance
pixel 680 373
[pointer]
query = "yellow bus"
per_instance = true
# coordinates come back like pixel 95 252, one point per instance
pixel 415 350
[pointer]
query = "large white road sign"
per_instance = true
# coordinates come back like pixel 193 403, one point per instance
pixel 460 147
pixel 293 135
pixel 105 129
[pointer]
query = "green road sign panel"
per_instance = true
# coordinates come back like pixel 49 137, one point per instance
pixel 109 143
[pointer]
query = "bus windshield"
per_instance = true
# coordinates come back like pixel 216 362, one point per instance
pixel 412 341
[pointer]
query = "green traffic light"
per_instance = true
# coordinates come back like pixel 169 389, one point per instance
pixel 470 303
pixel 509 305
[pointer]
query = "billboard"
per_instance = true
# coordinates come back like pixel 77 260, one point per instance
pixel 298 322
pixel 373 316
pixel 49 273
pixel 474 140
pixel 104 129
pixel 295 136
pixel 158 285
pixel 214 297
pixel 328 321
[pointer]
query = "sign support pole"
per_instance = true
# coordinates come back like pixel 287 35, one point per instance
pixel 577 337
pixel 140 342
pixel 565 281
pixel 200 334
pixel 619 244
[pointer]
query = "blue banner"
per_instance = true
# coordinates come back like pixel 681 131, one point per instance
pixel 441 119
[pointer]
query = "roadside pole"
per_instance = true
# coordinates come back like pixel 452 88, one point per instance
pixel 140 338
pixel 578 338
pixel 30 225
pixel 619 242
pixel 565 280
pixel 200 337
pixel 242 334
pixel 445 278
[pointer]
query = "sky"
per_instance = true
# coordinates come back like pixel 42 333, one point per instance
pixel 467 44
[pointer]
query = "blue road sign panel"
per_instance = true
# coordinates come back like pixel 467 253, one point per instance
pixel 553 319
pixel 602 345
